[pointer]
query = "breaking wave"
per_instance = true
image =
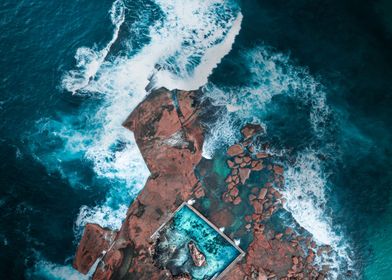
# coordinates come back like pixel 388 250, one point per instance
pixel 89 60
pixel 50 271
pixel 306 193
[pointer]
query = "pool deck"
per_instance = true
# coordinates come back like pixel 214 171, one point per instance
pixel 186 204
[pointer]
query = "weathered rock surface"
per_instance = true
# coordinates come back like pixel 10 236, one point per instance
pixel 94 242
pixel 158 123
pixel 198 258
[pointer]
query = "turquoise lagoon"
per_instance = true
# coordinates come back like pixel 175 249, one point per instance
pixel 187 225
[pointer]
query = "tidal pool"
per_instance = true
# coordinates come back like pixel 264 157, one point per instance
pixel 186 225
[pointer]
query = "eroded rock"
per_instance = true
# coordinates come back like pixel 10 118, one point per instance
pixel 197 256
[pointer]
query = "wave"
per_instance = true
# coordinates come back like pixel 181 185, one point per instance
pixel 46 270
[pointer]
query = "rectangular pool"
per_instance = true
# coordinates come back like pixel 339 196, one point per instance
pixel 187 226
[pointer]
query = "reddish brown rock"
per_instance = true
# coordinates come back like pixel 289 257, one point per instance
pixel 278 169
pixel 279 236
pixel 235 150
pixel 263 193
pixel 199 192
pixel 251 129
pixel 262 276
pixel 234 192
pixel 262 155
pixel 244 174
pixel 230 163
pixel 231 185
pixel 258 206
pixel 222 218
pixel 252 197
pixel 237 200
pixel 258 166
pixel 247 159
pixel 197 256
pixel 182 277
pixel 272 255
pixel 288 231
pixel 95 240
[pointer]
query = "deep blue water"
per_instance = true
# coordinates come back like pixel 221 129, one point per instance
pixel 317 74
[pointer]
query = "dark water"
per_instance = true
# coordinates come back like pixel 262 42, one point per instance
pixel 316 73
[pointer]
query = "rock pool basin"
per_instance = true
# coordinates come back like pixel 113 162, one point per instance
pixel 188 225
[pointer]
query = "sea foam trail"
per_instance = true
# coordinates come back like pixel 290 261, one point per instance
pixel 89 60
pixel 273 74
pixel 306 195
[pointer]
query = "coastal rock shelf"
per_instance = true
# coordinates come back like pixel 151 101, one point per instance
pixel 238 192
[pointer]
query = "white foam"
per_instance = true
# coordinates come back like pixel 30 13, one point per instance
pixel 50 271
pixel 103 215
pixel 270 74
pixel 305 192
pixel 209 61
pixel 191 201
pixel 89 60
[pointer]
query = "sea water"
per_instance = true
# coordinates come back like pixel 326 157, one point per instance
pixel 316 75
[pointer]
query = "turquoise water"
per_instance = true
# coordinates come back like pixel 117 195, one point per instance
pixel 187 226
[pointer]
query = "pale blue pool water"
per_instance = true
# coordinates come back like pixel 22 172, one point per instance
pixel 187 226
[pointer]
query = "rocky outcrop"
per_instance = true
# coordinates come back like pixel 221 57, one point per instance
pixel 198 258
pixel 169 135
pixel 170 139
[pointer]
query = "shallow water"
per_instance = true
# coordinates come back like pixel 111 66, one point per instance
pixel 185 227
pixel 315 74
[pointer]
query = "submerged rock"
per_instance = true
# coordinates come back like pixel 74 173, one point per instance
pixel 198 258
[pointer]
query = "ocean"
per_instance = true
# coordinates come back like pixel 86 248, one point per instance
pixel 315 74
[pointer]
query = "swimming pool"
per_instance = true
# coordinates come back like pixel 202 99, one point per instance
pixel 188 225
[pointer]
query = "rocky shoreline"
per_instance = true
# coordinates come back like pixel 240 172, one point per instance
pixel 169 134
